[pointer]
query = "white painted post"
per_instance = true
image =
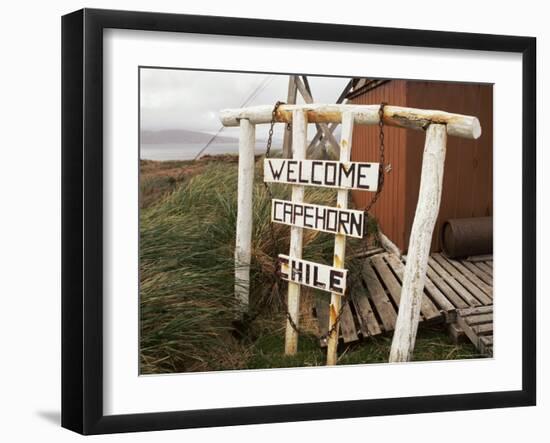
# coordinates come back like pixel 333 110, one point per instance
pixel 427 209
pixel 299 141
pixel 244 212
pixel 340 240
pixel 291 100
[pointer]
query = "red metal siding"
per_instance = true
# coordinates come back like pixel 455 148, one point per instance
pixel 389 210
pixel 468 179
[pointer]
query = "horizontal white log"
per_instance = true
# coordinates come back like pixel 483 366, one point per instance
pixel 347 222
pixel 458 125
pixel 312 274
pixel 328 174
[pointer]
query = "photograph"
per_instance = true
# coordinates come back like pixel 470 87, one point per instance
pixel 285 219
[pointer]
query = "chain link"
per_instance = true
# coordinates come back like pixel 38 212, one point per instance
pixel 346 297
pixel 382 168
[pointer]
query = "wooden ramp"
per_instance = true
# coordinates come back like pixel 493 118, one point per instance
pixel 451 286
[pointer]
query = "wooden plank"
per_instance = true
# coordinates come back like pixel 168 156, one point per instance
pixel 477 324
pixel 347 326
pixel 484 329
pixel 472 336
pixel 482 275
pixel 367 320
pixel 427 308
pixel 486 345
pixel 291 100
pixel 473 320
pixel 437 274
pixel 489 263
pixel 475 311
pixel 485 268
pixel 477 258
pixel 379 298
pixel 457 276
pixel 456 124
pixel 468 274
pixel 393 286
pixel 440 301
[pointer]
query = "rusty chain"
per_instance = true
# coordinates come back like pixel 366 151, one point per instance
pixel 346 297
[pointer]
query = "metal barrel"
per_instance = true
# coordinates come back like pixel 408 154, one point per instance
pixel 464 237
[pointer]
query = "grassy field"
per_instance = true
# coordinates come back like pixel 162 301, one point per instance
pixel 187 234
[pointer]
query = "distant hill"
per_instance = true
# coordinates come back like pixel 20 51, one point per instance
pixel 181 136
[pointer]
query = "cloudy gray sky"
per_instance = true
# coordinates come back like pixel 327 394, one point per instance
pixel 181 99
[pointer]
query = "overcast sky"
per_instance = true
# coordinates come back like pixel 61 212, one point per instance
pixel 180 99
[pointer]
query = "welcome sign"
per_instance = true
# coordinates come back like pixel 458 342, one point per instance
pixel 324 173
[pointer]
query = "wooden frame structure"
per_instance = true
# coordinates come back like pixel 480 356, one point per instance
pixel 325 132
pixel 437 124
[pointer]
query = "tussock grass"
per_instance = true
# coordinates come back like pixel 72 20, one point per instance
pixel 187 269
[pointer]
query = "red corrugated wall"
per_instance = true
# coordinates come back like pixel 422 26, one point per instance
pixel 468 178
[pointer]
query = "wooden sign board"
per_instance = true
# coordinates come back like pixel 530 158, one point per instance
pixel 324 173
pixel 314 275
pixel 348 222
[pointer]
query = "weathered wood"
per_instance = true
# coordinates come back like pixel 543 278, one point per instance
pixel 340 239
pixel 485 268
pixel 367 320
pixel 482 275
pixel 476 311
pixel 468 298
pixel 473 320
pixel 291 100
pixel 427 209
pixel 476 258
pixel 367 253
pixel 299 137
pixel 469 275
pixel 486 345
pixel 473 289
pixel 379 298
pixel 440 299
pixel 427 307
pixel 477 324
pixel 457 125
pixel 347 325
pixel 486 328
pixel 243 240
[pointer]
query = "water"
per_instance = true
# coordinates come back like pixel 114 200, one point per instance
pixel 188 151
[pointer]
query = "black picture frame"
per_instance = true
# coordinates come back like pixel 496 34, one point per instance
pixel 82 218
